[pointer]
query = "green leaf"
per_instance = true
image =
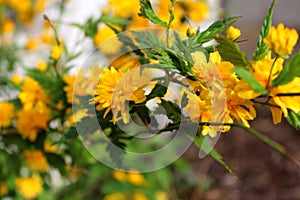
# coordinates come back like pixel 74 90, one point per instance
pixel 245 74
pixel 159 90
pixel 262 49
pixel 171 109
pixel 56 161
pixel 214 29
pixel 231 52
pixel 289 72
pixel 294 119
pixel 204 144
pixel 147 11
pixel 71 134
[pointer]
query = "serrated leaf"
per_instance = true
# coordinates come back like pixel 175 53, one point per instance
pixel 289 72
pixel 294 119
pixel 214 29
pixel 171 109
pixel 250 79
pixel 147 11
pixel 231 52
pixel 262 49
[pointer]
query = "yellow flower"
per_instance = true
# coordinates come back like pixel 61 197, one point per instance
pixel 49 147
pixel 6 114
pixel 3 189
pixel 106 40
pixel 31 121
pixel 29 187
pixel 279 104
pixel 56 52
pixel 233 33
pixel 16 79
pixel 136 178
pixel 227 106
pixel 41 65
pixel 32 94
pixel 139 196
pixel 285 102
pixel 160 195
pixel 115 88
pixel 282 40
pixel 124 9
pixel 36 160
pixel 195 10
pixel 31 44
pixel 8 26
pixel 120 175
pixel 116 196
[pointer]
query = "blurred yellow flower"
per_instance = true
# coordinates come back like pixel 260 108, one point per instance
pixel 135 178
pixel 106 40
pixel 282 40
pixel 8 26
pixel 6 114
pixel 139 196
pixel 124 9
pixel 3 189
pixel 32 94
pixel 56 52
pixel 29 187
pixel 31 121
pixel 160 195
pixel 31 44
pixel 50 147
pixel 233 33
pixel 195 10
pixel 120 175
pixel 36 160
pixel 41 65
pixel 16 79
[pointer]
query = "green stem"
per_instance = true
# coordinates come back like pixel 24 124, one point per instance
pixel 275 145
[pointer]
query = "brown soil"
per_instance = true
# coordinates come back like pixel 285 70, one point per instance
pixel 263 172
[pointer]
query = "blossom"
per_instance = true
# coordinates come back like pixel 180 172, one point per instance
pixel 124 9
pixel 120 175
pixel 31 121
pixel 218 99
pixel 282 40
pixel 29 187
pixel 41 65
pixel 56 52
pixel 195 10
pixel 6 114
pixel 135 178
pixel 36 160
pixel 106 40
pixel 116 87
pixel 139 196
pixel 32 94
pixel 8 26
pixel 233 33
pixel 16 79
pixel 278 104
